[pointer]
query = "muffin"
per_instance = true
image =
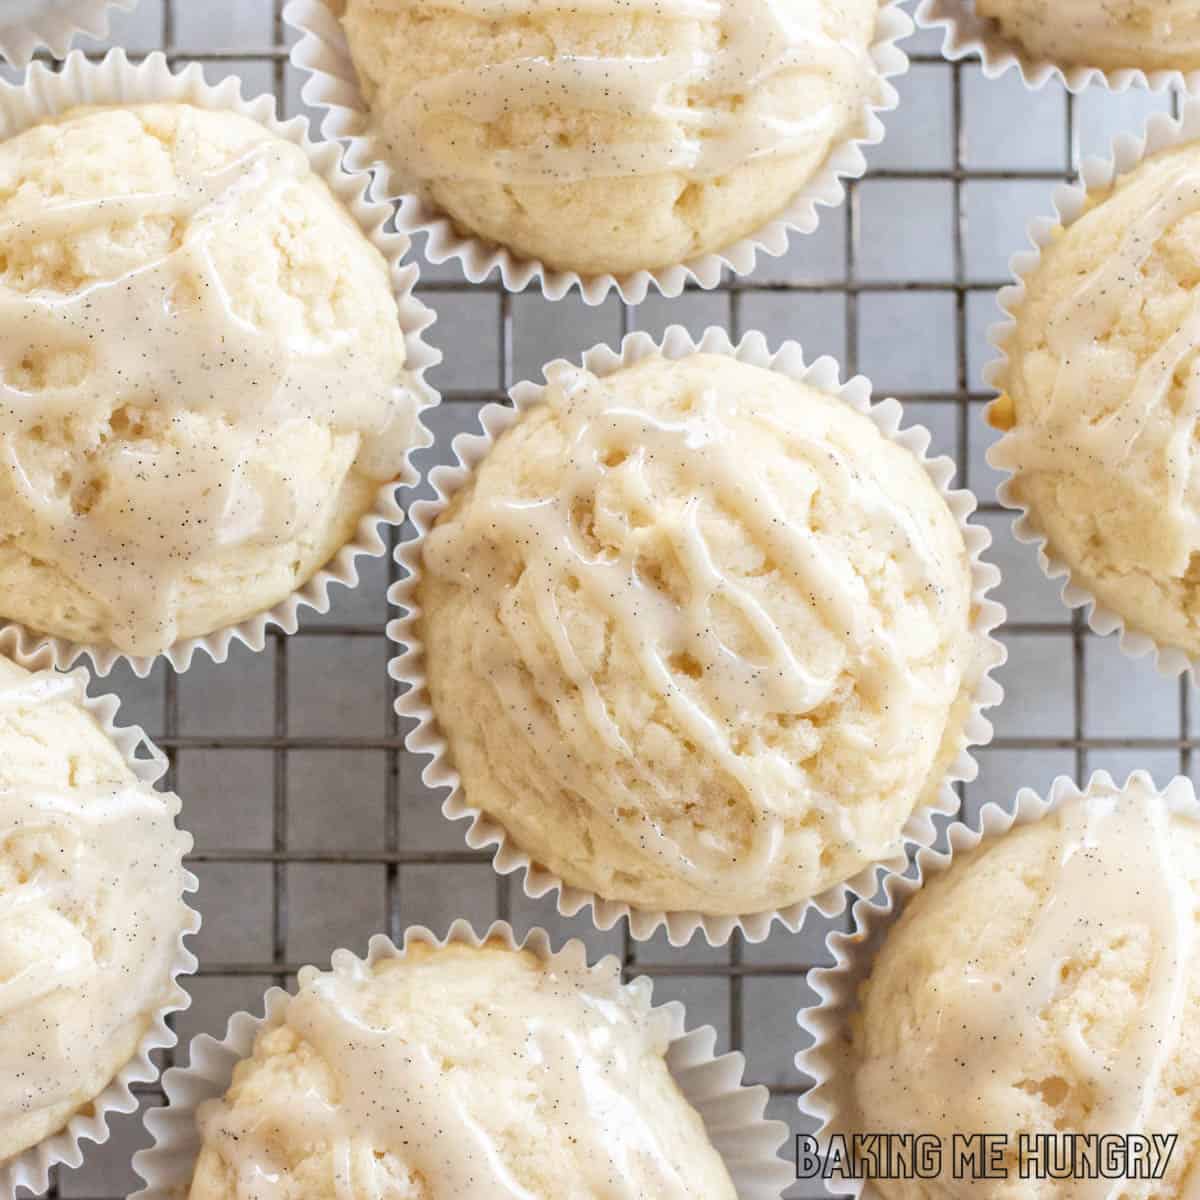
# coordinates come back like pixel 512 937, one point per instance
pixel 459 1072
pixel 700 637
pixel 1099 403
pixel 203 384
pixel 1047 982
pixel 91 906
pixel 610 137
pixel 1149 35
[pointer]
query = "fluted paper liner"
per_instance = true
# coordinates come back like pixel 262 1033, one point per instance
pixel 486 832
pixel 116 80
pixel 829 1101
pixel 30 1170
pixel 1070 202
pixel 333 86
pixel 53 25
pixel 967 35
pixel 733 1113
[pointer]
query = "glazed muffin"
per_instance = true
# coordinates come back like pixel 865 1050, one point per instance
pixel 607 137
pixel 700 637
pixel 459 1072
pixel 1047 982
pixel 1149 35
pixel 203 383
pixel 91 908
pixel 1099 398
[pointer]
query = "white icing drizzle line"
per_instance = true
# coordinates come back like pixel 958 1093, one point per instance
pixel 966 35
pixel 483 832
pixel 733 1113
pixel 322 52
pixel 1145 848
pixel 1097 177
pixel 114 80
pixel 31 1169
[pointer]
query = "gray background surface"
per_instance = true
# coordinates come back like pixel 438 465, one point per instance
pixel 312 827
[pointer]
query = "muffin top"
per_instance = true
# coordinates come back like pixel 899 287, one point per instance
pixel 91 885
pixel 1101 397
pixel 201 374
pixel 699 636
pixel 1047 982
pixel 459 1073
pixel 610 135
pixel 1149 35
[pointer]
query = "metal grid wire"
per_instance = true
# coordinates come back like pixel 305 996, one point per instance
pixel 280 886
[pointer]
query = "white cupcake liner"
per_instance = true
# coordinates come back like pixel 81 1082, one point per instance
pixel 333 85
pixel 115 80
pixel 829 1101
pixel 967 35
pixel 1070 203
pixel 30 1170
pixel 53 24
pixel 486 832
pixel 733 1112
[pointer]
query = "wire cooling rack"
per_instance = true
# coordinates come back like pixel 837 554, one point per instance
pixel 312 827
